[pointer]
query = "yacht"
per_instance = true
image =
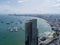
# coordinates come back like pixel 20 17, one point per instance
pixel 15 29
pixel 11 30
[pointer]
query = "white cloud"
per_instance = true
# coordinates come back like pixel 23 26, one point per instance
pixel 19 1
pixel 31 6
pixel 57 5
pixel 8 2
pixel 57 0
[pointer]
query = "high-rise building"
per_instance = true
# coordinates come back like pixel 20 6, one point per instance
pixel 31 32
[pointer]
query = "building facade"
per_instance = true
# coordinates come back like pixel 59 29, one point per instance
pixel 31 32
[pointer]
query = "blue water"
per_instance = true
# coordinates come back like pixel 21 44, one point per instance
pixel 11 38
pixel 18 38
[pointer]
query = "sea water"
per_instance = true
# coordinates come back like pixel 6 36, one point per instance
pixel 18 38
pixel 11 38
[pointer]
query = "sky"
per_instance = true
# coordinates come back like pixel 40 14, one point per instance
pixel 29 6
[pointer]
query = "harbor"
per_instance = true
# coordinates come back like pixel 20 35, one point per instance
pixel 29 30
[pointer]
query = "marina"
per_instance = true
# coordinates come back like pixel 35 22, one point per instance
pixel 12 29
pixel 29 22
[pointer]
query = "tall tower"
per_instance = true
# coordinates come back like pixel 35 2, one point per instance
pixel 31 34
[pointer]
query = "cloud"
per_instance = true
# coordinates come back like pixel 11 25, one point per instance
pixel 7 9
pixel 30 6
pixel 57 5
pixel 19 1
pixel 8 1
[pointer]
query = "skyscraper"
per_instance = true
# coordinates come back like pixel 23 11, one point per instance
pixel 31 32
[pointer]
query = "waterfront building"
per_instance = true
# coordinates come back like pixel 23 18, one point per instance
pixel 31 36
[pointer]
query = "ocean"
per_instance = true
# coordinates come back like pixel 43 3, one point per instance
pixel 8 37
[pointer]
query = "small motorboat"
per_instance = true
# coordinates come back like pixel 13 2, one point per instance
pixel 20 22
pixel 8 23
pixel 2 22
pixel 12 22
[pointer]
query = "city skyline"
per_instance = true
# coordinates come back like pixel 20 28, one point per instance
pixel 29 6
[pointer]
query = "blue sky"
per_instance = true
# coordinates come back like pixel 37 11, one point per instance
pixel 30 6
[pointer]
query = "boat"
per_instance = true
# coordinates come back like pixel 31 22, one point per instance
pixel 12 22
pixel 2 22
pixel 15 29
pixel 8 23
pixel 20 21
pixel 11 30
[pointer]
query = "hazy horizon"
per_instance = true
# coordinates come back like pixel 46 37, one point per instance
pixel 29 6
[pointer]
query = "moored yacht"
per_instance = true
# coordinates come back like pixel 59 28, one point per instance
pixel 11 30
pixel 15 29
